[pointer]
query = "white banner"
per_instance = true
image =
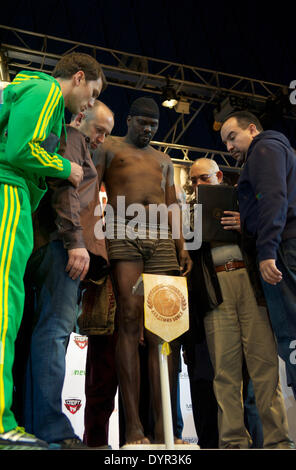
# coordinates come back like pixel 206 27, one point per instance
pixel 74 397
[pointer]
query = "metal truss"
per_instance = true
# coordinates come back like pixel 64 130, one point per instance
pixel 187 155
pixel 41 52
pixel 198 86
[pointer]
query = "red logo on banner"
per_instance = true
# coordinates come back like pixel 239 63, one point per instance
pixel 81 341
pixel 73 405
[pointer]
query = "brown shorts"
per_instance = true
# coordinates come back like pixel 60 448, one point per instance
pixel 159 255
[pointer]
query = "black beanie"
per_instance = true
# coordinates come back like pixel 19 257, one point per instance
pixel 144 107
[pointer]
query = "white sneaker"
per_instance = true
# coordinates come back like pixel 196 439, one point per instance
pixel 18 439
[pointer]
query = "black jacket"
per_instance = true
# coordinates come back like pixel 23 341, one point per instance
pixel 267 192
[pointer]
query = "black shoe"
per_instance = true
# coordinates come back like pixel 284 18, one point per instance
pixel 73 443
pixel 288 445
pixel 18 439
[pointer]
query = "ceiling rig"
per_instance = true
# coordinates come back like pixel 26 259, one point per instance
pixel 194 87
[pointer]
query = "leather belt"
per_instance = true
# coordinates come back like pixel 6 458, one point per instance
pixel 230 266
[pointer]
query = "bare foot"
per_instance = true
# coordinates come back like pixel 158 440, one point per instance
pixel 179 441
pixel 176 441
pixel 142 440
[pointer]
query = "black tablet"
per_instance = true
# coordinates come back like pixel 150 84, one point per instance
pixel 216 199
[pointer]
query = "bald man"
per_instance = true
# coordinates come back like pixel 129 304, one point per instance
pixel 64 240
pixel 237 328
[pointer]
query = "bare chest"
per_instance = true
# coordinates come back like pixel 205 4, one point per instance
pixel 136 164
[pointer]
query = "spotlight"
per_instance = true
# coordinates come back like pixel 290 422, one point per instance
pixel 223 109
pixel 228 106
pixel 169 97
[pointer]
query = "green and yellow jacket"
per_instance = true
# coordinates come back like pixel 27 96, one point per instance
pixel 31 122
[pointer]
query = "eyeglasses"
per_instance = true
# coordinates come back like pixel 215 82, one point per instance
pixel 204 178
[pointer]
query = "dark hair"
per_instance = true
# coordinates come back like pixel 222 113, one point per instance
pixel 244 119
pixel 70 64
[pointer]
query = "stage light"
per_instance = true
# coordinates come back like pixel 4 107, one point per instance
pixel 227 106
pixel 169 97
pixel 221 111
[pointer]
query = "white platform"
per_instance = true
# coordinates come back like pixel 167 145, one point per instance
pixel 183 447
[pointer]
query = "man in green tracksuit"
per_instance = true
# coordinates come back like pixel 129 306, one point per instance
pixel 31 124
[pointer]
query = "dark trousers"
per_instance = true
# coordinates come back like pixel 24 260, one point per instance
pixel 281 301
pixel 205 413
pixel 100 389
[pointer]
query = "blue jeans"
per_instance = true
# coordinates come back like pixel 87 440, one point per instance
pixel 56 297
pixel 281 302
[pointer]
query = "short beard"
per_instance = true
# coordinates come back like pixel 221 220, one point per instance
pixel 142 145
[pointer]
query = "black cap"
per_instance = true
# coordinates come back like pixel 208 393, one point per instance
pixel 144 107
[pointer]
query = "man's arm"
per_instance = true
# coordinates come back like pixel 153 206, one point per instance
pixel 267 172
pixel 30 124
pixel 100 160
pixel 66 203
pixel 175 217
pixel 268 268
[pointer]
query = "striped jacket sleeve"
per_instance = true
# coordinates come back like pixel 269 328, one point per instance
pixel 36 111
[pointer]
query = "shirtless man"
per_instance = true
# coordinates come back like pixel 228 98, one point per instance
pixel 130 167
